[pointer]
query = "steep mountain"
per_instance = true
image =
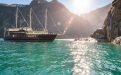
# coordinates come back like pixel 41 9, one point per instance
pixel 97 17
pixel 112 24
pixel 74 25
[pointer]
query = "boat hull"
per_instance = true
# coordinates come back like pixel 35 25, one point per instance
pixel 39 38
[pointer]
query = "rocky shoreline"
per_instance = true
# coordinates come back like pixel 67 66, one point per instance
pixel 117 41
pixel 89 39
pixel 111 30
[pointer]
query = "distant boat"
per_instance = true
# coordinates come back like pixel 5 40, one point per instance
pixel 27 33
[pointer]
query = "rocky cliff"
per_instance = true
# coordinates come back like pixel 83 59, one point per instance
pixel 112 23
pixel 79 27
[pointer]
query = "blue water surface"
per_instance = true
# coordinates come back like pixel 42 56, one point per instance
pixel 61 57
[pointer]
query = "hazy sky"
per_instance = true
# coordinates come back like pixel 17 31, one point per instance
pixel 75 6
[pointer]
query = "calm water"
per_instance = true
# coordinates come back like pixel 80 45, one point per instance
pixel 61 57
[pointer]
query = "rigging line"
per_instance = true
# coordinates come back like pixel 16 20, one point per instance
pixel 54 23
pixel 36 26
pixel 23 17
pixel 37 19
pixel 50 27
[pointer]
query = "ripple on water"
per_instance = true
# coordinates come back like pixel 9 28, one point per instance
pixel 61 57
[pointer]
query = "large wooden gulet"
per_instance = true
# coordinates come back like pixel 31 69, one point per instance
pixel 27 33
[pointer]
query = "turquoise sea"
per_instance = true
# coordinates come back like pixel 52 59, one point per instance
pixel 61 57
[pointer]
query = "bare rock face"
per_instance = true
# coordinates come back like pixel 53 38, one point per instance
pixel 34 2
pixel 98 34
pixel 55 1
pixel 112 24
pixel 117 41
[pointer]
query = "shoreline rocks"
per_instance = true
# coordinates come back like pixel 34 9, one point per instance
pixel 111 30
pixel 117 41
pixel 90 39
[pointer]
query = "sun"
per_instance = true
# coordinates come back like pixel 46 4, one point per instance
pixel 81 5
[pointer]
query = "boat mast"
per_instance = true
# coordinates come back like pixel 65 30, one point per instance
pixel 16 16
pixel 4 31
pixel 46 19
pixel 30 17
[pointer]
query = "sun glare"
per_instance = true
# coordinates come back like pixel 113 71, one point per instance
pixel 81 5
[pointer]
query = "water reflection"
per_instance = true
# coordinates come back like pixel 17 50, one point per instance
pixel 79 51
pixel 94 58
pixel 35 58
pixel 61 57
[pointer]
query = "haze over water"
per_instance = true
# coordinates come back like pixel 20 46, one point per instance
pixel 61 57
